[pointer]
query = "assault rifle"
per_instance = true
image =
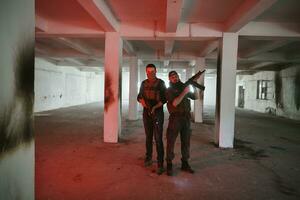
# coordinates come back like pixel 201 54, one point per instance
pixel 193 79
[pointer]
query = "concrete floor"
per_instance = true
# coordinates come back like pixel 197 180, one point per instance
pixel 73 163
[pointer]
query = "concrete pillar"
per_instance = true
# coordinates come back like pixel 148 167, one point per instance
pixel 198 105
pixel 112 90
pixel 188 74
pixel 142 71
pixel 225 99
pixel 183 75
pixel 17 146
pixel 142 76
pixel 133 74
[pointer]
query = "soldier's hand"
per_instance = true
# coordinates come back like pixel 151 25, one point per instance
pixel 142 101
pixel 159 104
pixel 186 90
pixel 153 110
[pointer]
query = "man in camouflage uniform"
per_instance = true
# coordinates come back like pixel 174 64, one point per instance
pixel 179 107
pixel 152 97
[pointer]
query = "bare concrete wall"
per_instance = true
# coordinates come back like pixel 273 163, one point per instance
pixel 250 86
pixel 16 99
pixel 282 93
pixel 59 86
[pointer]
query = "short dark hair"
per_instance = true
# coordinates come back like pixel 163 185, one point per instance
pixel 172 73
pixel 151 66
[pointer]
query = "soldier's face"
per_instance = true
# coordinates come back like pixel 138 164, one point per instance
pixel 151 72
pixel 174 78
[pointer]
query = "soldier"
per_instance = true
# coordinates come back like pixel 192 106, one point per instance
pixel 179 107
pixel 152 97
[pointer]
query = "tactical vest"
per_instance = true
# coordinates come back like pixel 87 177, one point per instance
pixel 151 92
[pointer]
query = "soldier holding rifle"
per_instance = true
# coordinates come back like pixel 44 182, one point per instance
pixel 152 97
pixel 178 103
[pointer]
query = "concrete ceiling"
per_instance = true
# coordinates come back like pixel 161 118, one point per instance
pixel 72 32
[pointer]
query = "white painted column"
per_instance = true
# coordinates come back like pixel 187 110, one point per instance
pixel 198 106
pixel 133 74
pixel 112 90
pixel 142 76
pixel 225 99
pixel 189 74
pixel 142 71
pixel 182 74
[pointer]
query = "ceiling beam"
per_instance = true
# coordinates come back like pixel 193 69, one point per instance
pixel 128 47
pixel 266 30
pixel 245 72
pixel 90 69
pixel 192 63
pixel 40 52
pixel 263 49
pixel 166 63
pixel 169 46
pixel 261 65
pixel 76 44
pixel 173 14
pixel 57 28
pixel 41 49
pixel 294 57
pixel 74 33
pixel 184 56
pixel 101 13
pixel 248 11
pixel 141 30
pixel 50 60
pixel 266 57
pixel 41 23
pixel 72 61
pixel 148 31
pixel 64 54
pixel 210 47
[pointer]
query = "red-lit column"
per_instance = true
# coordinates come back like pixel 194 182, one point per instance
pixel 112 87
pixel 198 106
pixel 225 98
pixel 133 81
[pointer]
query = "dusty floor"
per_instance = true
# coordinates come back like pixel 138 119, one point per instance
pixel 73 163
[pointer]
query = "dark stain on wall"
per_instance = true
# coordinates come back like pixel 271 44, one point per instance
pixel 297 90
pixel 278 88
pixel 16 120
pixel 109 95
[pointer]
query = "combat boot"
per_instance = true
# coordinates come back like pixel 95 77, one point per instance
pixel 160 168
pixel 169 169
pixel 147 162
pixel 186 167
